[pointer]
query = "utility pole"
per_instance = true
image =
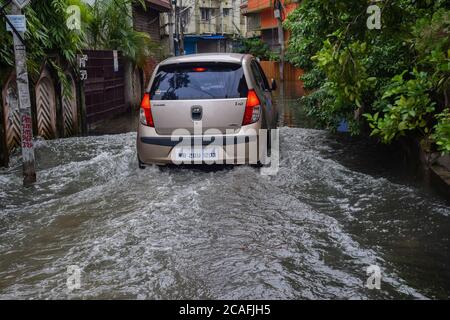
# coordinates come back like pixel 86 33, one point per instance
pixel 171 44
pixel 177 38
pixel 180 16
pixel 221 17
pixel 278 14
pixel 23 91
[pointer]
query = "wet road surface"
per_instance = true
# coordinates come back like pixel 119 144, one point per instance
pixel 308 232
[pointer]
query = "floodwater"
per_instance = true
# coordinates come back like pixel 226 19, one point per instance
pixel 335 208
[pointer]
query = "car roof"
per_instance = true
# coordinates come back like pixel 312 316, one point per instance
pixel 206 57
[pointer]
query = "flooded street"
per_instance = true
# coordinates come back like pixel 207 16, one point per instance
pixel 308 232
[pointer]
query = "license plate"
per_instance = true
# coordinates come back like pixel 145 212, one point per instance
pixel 196 154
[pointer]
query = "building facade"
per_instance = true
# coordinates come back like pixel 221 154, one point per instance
pixel 149 20
pixel 208 25
pixel 261 21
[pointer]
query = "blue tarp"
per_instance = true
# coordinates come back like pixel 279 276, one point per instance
pixel 189 47
pixel 191 40
pixel 211 37
pixel 343 126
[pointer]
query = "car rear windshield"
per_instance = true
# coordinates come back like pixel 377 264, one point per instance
pixel 190 82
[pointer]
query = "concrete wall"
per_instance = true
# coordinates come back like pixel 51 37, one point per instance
pixel 225 18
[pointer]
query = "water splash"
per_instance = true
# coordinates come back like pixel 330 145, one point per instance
pixel 308 232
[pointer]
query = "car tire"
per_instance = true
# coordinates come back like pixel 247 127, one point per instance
pixel 268 146
pixel 141 164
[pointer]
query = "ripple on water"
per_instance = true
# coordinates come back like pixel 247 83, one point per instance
pixel 308 232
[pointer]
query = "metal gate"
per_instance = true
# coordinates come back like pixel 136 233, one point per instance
pixel 46 107
pixel 11 114
pixel 137 87
pixel 104 87
pixel 70 111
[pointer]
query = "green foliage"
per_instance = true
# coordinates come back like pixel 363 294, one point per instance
pixel 46 32
pixel 398 77
pixel 257 48
pixel 442 131
pixel 309 26
pixel 432 42
pixel 417 99
pixel 409 110
pixel 319 104
pixel 105 25
pixel 346 71
pixel 111 27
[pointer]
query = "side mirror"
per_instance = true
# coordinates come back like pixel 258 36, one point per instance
pixel 273 85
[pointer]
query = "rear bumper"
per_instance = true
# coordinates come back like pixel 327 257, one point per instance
pixel 238 147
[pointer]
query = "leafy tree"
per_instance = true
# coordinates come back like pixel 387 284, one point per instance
pixel 105 25
pixel 257 48
pixel 111 27
pixel 442 131
pixel 409 110
pixel 46 33
pixel 398 77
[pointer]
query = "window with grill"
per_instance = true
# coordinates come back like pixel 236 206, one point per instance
pixel 205 14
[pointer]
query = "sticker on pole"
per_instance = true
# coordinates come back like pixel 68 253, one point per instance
pixel 18 21
pixel 116 61
pixel 21 3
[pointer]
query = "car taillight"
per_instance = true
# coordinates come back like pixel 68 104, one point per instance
pixel 145 115
pixel 252 108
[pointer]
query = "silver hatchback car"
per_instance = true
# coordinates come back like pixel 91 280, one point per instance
pixel 206 108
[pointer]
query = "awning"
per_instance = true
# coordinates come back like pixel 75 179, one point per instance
pixel 218 37
pixel 160 5
pixel 205 37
